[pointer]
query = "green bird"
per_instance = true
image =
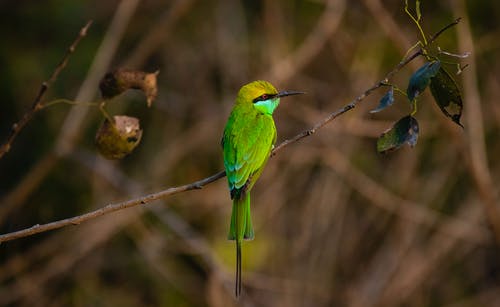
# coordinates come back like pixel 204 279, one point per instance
pixel 247 142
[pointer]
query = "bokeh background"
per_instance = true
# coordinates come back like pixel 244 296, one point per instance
pixel 337 224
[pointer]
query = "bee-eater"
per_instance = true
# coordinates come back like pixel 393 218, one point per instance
pixel 247 142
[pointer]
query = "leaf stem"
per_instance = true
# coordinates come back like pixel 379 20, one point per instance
pixel 68 101
pixel 417 21
pixel 414 107
pixel 102 108
pixel 397 89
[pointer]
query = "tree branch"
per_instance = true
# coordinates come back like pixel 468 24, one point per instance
pixel 203 182
pixel 111 208
pixel 37 103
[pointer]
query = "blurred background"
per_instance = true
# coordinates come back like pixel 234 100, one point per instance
pixel 337 224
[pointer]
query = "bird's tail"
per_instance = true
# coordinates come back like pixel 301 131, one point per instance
pixel 241 220
pixel 241 229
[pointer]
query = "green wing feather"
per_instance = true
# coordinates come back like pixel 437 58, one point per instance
pixel 248 140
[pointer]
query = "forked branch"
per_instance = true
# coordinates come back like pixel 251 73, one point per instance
pixel 37 103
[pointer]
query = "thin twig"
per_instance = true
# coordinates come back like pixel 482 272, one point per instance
pixel 437 34
pixel 37 103
pixel 350 105
pixel 203 182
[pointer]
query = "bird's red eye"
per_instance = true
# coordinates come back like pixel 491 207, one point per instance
pixel 263 97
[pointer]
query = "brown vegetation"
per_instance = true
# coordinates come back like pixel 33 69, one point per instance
pixel 336 223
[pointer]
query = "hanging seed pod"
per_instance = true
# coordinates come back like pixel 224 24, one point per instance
pixel 118 139
pixel 118 81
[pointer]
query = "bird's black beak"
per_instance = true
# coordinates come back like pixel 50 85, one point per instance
pixel 288 93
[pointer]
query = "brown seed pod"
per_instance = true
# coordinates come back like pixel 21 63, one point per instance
pixel 118 139
pixel 118 81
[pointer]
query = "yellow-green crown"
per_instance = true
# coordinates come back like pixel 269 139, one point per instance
pixel 256 89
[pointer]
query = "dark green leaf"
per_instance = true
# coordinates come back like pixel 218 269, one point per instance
pixel 405 131
pixel 385 101
pixel 421 78
pixel 447 95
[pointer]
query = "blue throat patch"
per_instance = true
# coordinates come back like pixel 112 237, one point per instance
pixel 267 106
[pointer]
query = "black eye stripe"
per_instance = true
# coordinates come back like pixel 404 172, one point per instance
pixel 264 97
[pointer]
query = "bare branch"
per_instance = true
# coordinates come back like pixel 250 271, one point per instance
pixel 37 103
pixel 111 208
pixel 437 34
pixel 203 182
